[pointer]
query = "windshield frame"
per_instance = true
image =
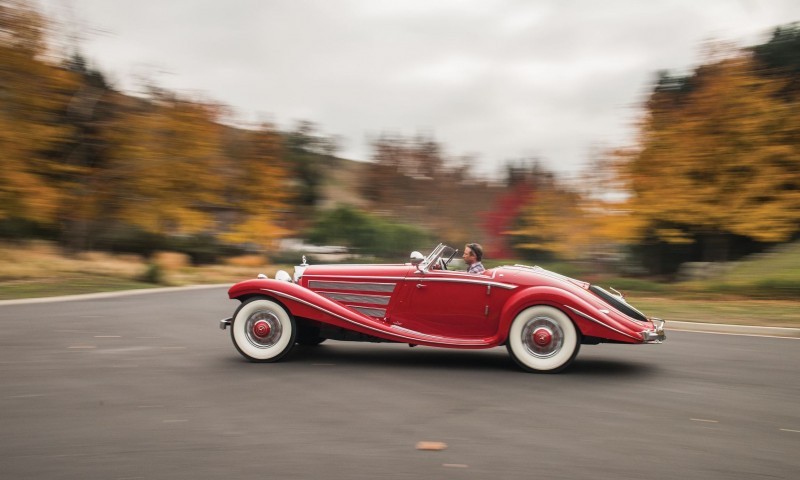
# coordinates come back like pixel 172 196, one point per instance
pixel 441 251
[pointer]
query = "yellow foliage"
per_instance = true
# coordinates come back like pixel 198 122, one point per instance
pixel 259 190
pixel 30 179
pixel 553 221
pixel 171 260
pixel 246 261
pixel 724 157
pixel 167 164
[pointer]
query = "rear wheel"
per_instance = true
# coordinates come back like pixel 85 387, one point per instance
pixel 543 339
pixel 262 331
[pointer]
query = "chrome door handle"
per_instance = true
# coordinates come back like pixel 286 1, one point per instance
pixel 419 285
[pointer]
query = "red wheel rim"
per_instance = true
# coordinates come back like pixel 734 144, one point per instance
pixel 542 337
pixel 261 329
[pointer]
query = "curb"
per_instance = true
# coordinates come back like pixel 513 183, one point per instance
pixel 783 332
pixel 97 296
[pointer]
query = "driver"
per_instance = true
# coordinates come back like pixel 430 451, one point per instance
pixel 473 254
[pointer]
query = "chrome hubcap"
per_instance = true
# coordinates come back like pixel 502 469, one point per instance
pixel 542 337
pixel 263 329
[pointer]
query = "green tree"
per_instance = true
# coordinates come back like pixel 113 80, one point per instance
pixel 780 57
pixel 308 152
pixel 366 233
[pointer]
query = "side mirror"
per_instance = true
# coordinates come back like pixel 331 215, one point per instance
pixel 416 258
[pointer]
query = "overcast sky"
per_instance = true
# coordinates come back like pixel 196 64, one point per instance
pixel 493 79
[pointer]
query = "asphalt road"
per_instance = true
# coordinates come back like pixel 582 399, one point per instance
pixel 148 387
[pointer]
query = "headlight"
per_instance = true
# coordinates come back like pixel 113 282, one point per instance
pixel 283 276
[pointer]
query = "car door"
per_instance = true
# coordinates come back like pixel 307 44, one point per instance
pixel 452 304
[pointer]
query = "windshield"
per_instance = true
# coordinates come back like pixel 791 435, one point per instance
pixel 441 254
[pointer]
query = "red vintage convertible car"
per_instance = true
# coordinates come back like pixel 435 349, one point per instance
pixel 542 317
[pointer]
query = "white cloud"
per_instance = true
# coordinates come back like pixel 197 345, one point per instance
pixel 499 79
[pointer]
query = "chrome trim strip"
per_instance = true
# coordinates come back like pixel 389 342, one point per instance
pixel 355 277
pixel 437 337
pixel 589 317
pixel 488 283
pixel 416 278
pixel 372 312
pixel 352 286
pixel 324 310
pixel 351 297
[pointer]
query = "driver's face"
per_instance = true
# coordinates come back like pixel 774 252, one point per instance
pixel 469 256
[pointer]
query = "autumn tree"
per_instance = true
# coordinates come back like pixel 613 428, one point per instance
pixel 33 95
pixel 166 168
pixel 414 180
pixel 400 171
pixel 256 191
pixel 84 211
pixel 718 156
pixel 552 222
pixel 504 217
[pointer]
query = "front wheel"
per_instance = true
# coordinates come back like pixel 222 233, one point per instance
pixel 262 331
pixel 543 339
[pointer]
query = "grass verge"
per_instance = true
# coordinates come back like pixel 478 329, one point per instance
pixel 733 311
pixel 74 285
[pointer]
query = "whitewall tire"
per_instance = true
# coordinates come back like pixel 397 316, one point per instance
pixel 543 339
pixel 263 331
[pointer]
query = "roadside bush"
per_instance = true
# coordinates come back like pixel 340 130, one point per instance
pixel 17 229
pixel 367 234
pixel 154 274
pixel 202 249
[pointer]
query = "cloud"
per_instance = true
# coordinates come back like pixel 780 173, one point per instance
pixel 497 79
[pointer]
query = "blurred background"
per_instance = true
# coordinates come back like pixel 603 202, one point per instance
pixel 110 181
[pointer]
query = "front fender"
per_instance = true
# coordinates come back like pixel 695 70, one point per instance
pixel 248 288
pixel 301 302
pixel 592 318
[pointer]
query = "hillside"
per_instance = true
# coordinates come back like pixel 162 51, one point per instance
pixel 342 183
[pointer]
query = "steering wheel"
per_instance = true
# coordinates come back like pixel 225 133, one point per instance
pixel 446 262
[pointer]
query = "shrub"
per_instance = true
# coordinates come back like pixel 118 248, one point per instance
pixel 153 274
pixel 368 234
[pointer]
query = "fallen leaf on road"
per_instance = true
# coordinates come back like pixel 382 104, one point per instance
pixel 431 445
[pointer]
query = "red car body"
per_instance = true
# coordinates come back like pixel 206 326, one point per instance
pixel 542 317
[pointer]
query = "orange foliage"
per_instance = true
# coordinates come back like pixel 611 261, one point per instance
pixel 719 156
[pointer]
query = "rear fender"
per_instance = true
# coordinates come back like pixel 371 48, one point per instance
pixel 588 317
